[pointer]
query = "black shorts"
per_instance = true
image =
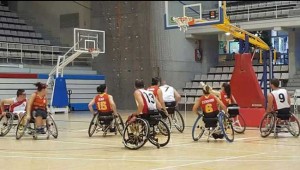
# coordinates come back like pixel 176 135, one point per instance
pixel 39 113
pixel 211 119
pixel 170 107
pixel 105 117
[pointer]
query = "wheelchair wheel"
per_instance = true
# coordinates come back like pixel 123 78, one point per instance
pixel 119 124
pixel 6 123
pixel 198 128
pixel 238 123
pixel 178 121
pixel 136 134
pixel 93 125
pixel 267 125
pixel 226 127
pixel 294 127
pixel 51 126
pixel 168 122
pixel 21 128
pixel 159 134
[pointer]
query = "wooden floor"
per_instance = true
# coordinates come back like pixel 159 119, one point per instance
pixel 74 150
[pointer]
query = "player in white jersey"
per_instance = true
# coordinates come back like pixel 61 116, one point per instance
pixel 279 99
pixel 170 96
pixel 145 100
pixel 17 104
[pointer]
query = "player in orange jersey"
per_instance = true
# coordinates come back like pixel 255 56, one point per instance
pixel 104 103
pixel 37 107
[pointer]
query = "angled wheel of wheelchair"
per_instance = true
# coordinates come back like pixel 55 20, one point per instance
pixel 136 134
pixel 93 125
pixel 6 123
pixel 226 127
pixel 238 123
pixel 21 128
pixel 119 123
pixel 159 134
pixel 198 128
pixel 294 127
pixel 267 125
pixel 178 120
pixel 51 126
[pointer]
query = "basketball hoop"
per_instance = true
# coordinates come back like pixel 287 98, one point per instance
pixel 94 52
pixel 184 22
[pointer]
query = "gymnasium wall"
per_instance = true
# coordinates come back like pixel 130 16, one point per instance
pixel 127 54
pixel 48 15
pixel 294 51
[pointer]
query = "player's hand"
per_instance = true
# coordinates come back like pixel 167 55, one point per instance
pixel 3 114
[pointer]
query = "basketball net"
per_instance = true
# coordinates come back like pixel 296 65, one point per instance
pixel 184 22
pixel 94 52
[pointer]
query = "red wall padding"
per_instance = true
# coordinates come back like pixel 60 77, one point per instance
pixel 18 75
pixel 244 83
pixel 247 91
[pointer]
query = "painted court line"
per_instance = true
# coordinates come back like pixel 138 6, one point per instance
pixel 208 161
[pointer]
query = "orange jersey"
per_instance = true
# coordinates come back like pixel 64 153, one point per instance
pixel 102 103
pixel 39 102
pixel 208 103
pixel 154 90
pixel 225 100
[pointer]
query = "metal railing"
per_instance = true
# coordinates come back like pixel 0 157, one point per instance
pixel 18 51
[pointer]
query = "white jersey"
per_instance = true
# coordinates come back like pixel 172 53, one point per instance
pixel 18 106
pixel 280 99
pixel 149 100
pixel 168 93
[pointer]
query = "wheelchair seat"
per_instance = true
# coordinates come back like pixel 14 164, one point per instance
pixel 233 110
pixel 105 118
pixel 153 117
pixel 210 119
pixel 284 114
pixel 170 107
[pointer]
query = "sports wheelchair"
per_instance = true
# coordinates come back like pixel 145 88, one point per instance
pixel 216 125
pixel 238 122
pixel 280 121
pixel 29 126
pixel 7 122
pixel 104 122
pixel 145 127
pixel 176 118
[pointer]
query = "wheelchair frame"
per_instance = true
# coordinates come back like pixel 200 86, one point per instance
pixel 223 124
pixel 273 128
pixel 174 119
pixel 49 124
pixel 103 127
pixel 142 131
pixel 9 123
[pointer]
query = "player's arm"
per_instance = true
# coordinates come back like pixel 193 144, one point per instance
pixel 177 96
pixel 270 103
pixel 221 104
pixel 138 98
pixel 29 105
pixel 196 106
pixel 5 101
pixel 112 104
pixel 214 92
pixel 91 104
pixel 289 98
pixel 233 99
pixel 158 105
pixel 160 98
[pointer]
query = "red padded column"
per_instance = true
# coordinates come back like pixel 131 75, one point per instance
pixel 246 90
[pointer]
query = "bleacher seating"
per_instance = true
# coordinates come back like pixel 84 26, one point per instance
pixel 20 43
pixel 258 10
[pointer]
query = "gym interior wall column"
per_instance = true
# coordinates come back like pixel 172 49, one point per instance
pixel 127 54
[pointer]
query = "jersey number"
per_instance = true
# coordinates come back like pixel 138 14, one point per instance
pixel 102 105
pixel 281 98
pixel 208 108
pixel 151 98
